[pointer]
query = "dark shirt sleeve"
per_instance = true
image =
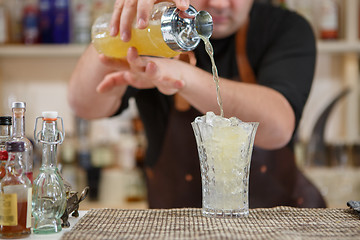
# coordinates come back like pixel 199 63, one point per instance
pixel 288 62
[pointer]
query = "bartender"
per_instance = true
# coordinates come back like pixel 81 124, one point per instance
pixel 265 57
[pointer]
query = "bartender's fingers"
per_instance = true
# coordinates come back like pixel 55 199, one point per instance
pixel 122 18
pixel 169 86
pixel 165 84
pixel 136 62
pixel 144 8
pixel 125 10
pixel 138 81
pixel 115 23
pixel 143 12
pixel 111 81
pixel 182 4
pixel 127 18
pixel 123 78
pixel 114 62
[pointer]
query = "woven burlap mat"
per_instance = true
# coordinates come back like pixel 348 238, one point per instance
pixel 269 223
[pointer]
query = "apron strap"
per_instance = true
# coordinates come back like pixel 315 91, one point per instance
pixel 245 71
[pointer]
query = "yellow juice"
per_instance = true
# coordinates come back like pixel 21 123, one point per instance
pixel 147 41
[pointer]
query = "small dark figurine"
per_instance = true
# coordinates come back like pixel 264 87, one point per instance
pixel 72 205
pixel 355 205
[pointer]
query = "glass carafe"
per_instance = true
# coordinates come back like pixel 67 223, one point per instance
pixel 170 31
pixel 49 194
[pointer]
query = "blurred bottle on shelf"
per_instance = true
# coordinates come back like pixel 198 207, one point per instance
pixel 68 166
pixel 46 20
pixel 16 20
pixel 329 19
pixel 305 8
pixel 139 133
pixel 81 21
pixel 85 158
pixel 136 186
pixel 61 30
pixel 4 23
pixel 31 32
pixel 100 7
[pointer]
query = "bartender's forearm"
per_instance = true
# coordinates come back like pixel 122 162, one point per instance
pixel 83 98
pixel 248 102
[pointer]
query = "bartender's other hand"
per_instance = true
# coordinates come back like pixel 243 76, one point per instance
pixel 134 74
pixel 125 12
pixel 142 73
pixel 149 72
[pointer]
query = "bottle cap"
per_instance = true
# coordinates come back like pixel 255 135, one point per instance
pixel 18 105
pixel 50 115
pixel 3 155
pixel 181 33
pixel 5 120
pixel 15 146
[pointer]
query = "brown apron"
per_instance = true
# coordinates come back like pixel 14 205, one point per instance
pixel 175 180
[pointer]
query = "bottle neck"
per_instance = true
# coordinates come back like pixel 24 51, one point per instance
pixel 18 122
pixel 49 155
pixel 49 137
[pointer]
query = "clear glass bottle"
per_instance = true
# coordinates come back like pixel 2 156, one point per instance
pixel 49 194
pixel 5 135
pixel 18 135
pixel 169 32
pixel 15 196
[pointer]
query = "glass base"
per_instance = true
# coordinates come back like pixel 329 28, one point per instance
pixel 219 213
pixel 46 229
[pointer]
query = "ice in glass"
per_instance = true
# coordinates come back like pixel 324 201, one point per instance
pixel 225 147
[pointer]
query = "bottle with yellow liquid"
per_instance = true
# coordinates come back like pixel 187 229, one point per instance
pixel 170 32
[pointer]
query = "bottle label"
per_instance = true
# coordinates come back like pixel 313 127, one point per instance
pixel 29 203
pixel 8 209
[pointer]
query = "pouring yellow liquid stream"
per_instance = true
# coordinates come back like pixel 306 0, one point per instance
pixel 210 52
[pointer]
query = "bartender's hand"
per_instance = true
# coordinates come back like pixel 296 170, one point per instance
pixel 125 12
pixel 144 73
